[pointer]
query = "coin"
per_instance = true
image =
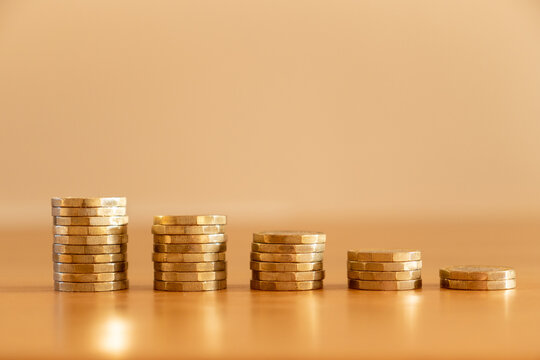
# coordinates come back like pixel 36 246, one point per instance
pixel 90 220
pixel 478 284
pixel 287 275
pixel 190 285
pixel 385 275
pixel 296 258
pixel 287 248
pixel 91 277
pixel 190 248
pixel 98 211
pixel 89 230
pixel 191 267
pixel 90 239
pixel 187 229
pixel 190 239
pixel 88 202
pixel 171 257
pixel 384 266
pixel 190 276
pixel 91 287
pixel 383 255
pixel 190 220
pixel 385 285
pixel 88 259
pixel 89 249
pixel 289 237
pixel 279 266
pixel 477 272
pixel 286 285
pixel 90 268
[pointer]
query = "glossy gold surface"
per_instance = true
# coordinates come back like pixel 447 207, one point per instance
pixel 190 220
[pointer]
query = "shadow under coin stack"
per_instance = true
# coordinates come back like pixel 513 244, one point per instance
pixel 90 244
pixel 189 252
pixel 384 269
pixel 287 260
pixel 478 277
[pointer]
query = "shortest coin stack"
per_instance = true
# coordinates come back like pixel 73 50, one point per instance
pixel 189 252
pixel 478 277
pixel 384 269
pixel 287 260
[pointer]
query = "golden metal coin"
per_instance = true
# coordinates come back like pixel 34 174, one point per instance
pixel 287 248
pixel 90 239
pixel 98 211
pixel 287 275
pixel 288 267
pixel 90 230
pixel 384 255
pixel 190 248
pixel 384 266
pixel 385 275
pixel 477 272
pixel 90 220
pixel 89 259
pixel 289 237
pixel 191 267
pixel 88 202
pixel 187 229
pixel 190 285
pixel 478 284
pixel 385 285
pixel 91 287
pixel 90 268
pixel 190 276
pixel 89 249
pixel 171 257
pixel 190 220
pixel 91 277
pixel 190 239
pixel 286 285
pixel 295 258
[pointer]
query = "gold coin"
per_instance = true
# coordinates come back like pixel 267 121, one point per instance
pixel 89 249
pixel 89 259
pixel 287 275
pixel 287 248
pixel 90 239
pixel 91 287
pixel 88 202
pixel 98 211
pixel 384 266
pixel 187 229
pixel 191 267
pixel 288 267
pixel 171 257
pixel 190 285
pixel 478 284
pixel 385 275
pixel 190 248
pixel 91 277
pixel 289 237
pixel 385 285
pixel 384 255
pixel 190 276
pixel 477 272
pixel 190 239
pixel 90 230
pixel 286 285
pixel 295 258
pixel 90 220
pixel 190 220
pixel 90 268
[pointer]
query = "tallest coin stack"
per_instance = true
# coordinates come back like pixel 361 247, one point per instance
pixel 90 244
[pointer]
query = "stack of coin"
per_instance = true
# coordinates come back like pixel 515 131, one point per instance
pixel 478 277
pixel 189 252
pixel 90 244
pixel 287 260
pixel 384 269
